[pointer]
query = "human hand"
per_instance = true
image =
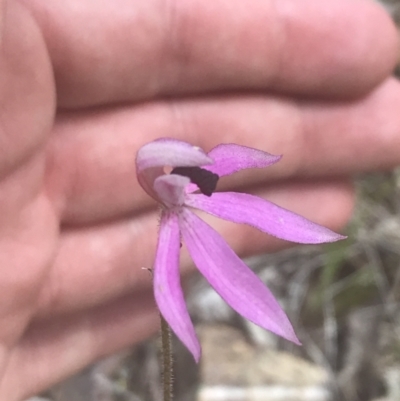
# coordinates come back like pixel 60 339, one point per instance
pixel 305 79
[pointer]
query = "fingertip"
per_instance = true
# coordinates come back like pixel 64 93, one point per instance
pixel 351 46
pixel 379 53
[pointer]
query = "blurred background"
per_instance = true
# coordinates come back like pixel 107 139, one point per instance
pixel 343 300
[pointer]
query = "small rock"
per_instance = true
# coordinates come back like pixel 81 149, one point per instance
pixel 234 369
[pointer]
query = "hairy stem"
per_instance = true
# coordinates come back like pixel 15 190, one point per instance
pixel 166 360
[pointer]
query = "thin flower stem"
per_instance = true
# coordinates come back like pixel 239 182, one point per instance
pixel 166 357
pixel 166 360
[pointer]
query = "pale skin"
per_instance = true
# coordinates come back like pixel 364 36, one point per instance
pixel 85 83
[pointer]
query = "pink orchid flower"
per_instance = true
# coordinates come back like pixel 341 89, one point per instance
pixel 191 183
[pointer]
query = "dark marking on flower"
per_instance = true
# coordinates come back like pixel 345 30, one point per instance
pixel 204 179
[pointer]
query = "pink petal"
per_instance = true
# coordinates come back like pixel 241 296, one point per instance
pixel 170 152
pixel 170 189
pixel 154 156
pixel 229 158
pixel 167 288
pixel 264 215
pixel 231 278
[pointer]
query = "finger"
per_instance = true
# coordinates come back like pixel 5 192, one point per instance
pixel 92 155
pixel 27 223
pixel 52 350
pixel 100 263
pixel 138 50
pixel 27 94
pixel 27 242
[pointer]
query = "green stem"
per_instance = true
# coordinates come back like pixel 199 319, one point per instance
pixel 166 360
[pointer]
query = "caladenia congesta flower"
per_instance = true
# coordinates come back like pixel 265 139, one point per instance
pixel 180 177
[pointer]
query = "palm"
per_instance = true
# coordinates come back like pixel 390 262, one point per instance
pixel 76 228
